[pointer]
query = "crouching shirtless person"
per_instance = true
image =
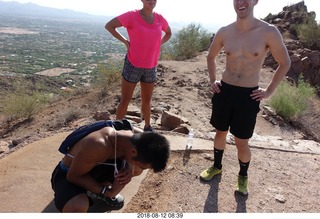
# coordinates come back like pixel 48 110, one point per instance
pixel 100 160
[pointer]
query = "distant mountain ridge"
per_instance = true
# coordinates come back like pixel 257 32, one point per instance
pixel 34 10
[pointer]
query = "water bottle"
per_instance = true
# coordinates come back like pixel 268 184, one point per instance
pixel 190 139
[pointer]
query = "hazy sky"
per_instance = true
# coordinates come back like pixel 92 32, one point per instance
pixel 198 11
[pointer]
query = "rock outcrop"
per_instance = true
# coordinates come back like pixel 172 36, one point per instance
pixel 304 61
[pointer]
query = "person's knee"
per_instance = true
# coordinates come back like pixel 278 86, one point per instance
pixel 146 105
pixel 125 100
pixel 221 134
pixel 243 147
pixel 242 143
pixel 243 150
pixel 79 203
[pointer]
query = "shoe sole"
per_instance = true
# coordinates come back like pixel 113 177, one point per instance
pixel 116 205
pixel 241 193
pixel 211 177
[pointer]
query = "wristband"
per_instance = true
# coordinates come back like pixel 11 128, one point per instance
pixel 104 190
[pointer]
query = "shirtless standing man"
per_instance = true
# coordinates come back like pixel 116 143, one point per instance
pixel 236 99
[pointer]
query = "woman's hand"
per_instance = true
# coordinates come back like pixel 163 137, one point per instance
pixel 127 43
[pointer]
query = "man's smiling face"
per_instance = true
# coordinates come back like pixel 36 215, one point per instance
pixel 244 7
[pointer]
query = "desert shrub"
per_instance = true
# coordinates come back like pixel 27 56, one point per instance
pixel 22 102
pixel 67 116
pixel 188 42
pixel 167 52
pixel 81 91
pixel 290 101
pixel 108 76
pixel 309 33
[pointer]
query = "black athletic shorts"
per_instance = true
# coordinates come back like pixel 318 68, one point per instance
pixel 64 190
pixel 234 108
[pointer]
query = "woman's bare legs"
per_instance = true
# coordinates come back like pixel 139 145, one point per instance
pixel 146 95
pixel 127 89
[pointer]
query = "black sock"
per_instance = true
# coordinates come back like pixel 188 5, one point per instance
pixel 218 158
pixel 243 168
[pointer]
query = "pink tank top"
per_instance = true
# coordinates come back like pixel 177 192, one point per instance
pixel 145 39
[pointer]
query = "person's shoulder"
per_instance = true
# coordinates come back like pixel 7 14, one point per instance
pixel 135 11
pixel 161 19
pixel 159 15
pixel 226 29
pixel 267 26
pixel 96 144
pixel 130 13
pixel 270 31
pixel 98 137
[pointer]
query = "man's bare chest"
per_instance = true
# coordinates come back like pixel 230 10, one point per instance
pixel 247 46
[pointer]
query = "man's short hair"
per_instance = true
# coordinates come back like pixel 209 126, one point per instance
pixel 152 148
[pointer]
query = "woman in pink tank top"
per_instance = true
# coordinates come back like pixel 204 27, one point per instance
pixel 145 30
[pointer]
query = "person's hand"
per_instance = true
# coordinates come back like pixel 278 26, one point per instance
pixel 215 86
pixel 121 180
pixel 260 94
pixel 127 43
pixel 124 176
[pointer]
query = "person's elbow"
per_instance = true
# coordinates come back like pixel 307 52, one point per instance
pixel 286 64
pixel 108 27
pixel 72 177
pixel 168 32
pixel 137 171
pixel 111 25
pixel 211 58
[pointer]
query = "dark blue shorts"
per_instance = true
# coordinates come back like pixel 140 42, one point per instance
pixel 133 74
pixel 64 190
pixel 233 108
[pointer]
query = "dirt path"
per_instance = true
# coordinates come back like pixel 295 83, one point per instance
pixel 25 176
pixel 280 182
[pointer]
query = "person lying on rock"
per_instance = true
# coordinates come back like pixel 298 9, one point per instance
pixel 99 161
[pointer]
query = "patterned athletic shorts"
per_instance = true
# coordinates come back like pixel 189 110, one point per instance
pixel 133 74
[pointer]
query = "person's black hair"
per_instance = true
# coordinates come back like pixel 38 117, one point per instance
pixel 152 148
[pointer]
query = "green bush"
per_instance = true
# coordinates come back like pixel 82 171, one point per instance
pixel 188 42
pixel 167 52
pixel 309 33
pixel 108 76
pixel 22 103
pixel 291 101
pixel 66 116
